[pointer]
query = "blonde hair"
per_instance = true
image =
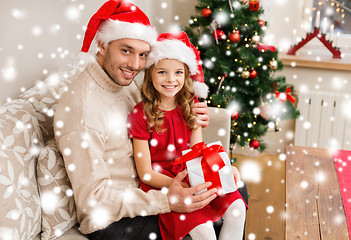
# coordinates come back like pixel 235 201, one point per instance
pixel 151 100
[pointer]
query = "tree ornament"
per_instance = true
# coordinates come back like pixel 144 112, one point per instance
pixel 230 5
pixel 274 86
pixel 235 115
pixel 261 22
pixel 206 12
pixel 245 74
pixel 273 64
pixel 254 5
pixel 254 144
pixel 264 111
pixel 234 36
pixel 253 74
pixel 243 2
pixel 219 34
pixel 256 38
pixel 220 83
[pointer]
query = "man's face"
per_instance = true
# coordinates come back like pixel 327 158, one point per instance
pixel 124 59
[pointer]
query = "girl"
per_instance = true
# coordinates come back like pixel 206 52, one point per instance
pixel 163 124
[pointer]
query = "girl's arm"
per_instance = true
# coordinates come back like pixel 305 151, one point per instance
pixel 196 136
pixel 143 165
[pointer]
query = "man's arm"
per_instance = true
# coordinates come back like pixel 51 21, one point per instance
pixel 201 111
pixel 93 187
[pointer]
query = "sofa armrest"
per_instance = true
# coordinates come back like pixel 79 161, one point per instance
pixel 219 127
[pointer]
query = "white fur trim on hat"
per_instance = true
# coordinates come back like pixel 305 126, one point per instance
pixel 172 49
pixel 111 30
pixel 84 59
pixel 201 89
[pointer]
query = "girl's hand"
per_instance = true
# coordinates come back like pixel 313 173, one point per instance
pixel 185 185
pixel 201 111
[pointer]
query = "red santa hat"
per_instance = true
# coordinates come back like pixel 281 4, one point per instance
pixel 117 19
pixel 178 46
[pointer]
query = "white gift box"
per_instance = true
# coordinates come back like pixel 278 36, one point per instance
pixel 196 175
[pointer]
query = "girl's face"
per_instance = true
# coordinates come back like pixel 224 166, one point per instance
pixel 168 78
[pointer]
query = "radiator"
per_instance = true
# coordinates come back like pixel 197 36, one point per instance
pixel 325 120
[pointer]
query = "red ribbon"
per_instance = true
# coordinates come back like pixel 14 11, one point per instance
pixel 265 47
pixel 211 162
pixel 288 95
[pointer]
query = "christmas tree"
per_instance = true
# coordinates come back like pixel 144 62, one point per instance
pixel 240 70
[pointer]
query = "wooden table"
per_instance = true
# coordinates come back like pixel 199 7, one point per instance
pixel 314 208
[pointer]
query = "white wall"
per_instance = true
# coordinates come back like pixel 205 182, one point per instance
pixel 57 34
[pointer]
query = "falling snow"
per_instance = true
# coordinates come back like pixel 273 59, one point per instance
pixel 11 68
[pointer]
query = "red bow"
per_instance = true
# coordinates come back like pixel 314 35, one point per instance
pixel 265 47
pixel 211 162
pixel 285 96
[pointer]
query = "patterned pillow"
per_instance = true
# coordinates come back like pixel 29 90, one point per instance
pixel 58 209
pixel 20 143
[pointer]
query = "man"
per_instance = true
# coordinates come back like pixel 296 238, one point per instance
pixel 91 133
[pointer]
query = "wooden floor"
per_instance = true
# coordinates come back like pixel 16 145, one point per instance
pixel 314 203
pixel 265 179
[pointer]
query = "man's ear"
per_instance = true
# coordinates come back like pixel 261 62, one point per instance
pixel 101 48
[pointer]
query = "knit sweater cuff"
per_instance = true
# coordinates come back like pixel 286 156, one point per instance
pixel 162 204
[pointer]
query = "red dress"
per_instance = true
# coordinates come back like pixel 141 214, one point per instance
pixel 164 148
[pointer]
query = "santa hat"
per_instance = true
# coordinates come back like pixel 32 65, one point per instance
pixel 117 19
pixel 178 46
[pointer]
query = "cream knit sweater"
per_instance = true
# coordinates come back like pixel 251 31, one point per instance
pixel 91 133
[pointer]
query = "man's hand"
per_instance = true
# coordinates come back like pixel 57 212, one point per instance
pixel 184 199
pixel 237 177
pixel 202 114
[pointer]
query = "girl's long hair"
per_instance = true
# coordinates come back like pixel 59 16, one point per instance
pixel 151 100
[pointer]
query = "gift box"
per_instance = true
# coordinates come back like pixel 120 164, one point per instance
pixel 209 163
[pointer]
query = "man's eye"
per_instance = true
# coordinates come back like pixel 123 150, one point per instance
pixel 126 51
pixel 143 55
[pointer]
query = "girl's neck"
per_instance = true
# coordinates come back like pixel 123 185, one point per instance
pixel 167 105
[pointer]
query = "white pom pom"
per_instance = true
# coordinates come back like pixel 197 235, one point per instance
pixel 201 89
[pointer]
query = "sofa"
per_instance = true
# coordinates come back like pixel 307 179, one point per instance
pixel 37 201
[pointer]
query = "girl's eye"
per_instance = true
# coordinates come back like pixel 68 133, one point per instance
pixel 161 72
pixel 179 72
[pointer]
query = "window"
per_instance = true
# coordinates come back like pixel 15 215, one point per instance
pixel 333 17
